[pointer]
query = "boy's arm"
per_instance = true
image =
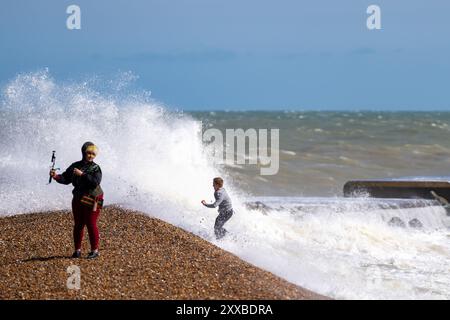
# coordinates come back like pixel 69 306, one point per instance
pixel 219 198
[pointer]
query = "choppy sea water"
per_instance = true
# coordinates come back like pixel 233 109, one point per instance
pixel 320 151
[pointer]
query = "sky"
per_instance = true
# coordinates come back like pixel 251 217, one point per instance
pixel 242 54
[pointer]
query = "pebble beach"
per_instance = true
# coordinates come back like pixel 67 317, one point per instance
pixel 140 258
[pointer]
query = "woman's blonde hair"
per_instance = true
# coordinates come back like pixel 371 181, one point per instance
pixel 89 146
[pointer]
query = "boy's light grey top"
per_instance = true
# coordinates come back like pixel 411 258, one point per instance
pixel 222 200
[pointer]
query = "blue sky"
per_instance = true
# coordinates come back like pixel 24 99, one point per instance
pixel 247 54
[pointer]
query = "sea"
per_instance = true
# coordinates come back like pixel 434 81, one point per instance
pixel 296 223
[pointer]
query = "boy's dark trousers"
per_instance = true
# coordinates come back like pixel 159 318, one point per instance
pixel 223 217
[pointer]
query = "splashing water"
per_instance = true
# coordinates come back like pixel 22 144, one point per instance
pixel 154 161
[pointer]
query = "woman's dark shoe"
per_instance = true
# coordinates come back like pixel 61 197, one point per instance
pixel 93 255
pixel 76 254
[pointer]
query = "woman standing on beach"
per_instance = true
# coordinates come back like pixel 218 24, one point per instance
pixel 85 175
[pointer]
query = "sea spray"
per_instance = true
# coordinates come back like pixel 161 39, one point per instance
pixel 152 159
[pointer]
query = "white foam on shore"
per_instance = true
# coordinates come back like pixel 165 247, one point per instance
pixel 346 249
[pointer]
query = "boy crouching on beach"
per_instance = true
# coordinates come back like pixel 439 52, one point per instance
pixel 225 207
